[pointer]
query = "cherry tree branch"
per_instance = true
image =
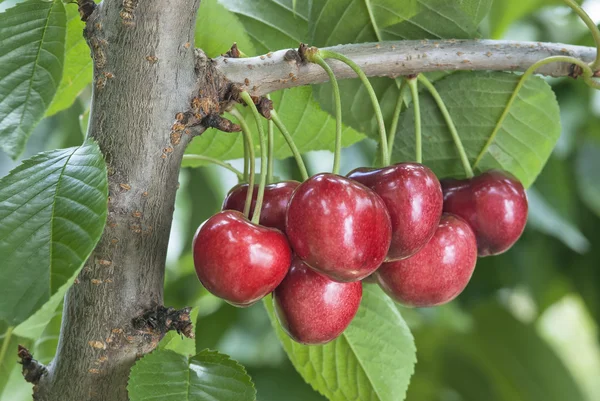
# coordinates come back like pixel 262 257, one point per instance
pixel 286 69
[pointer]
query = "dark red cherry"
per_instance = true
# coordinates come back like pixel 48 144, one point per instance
pixel 338 227
pixel 274 206
pixel 313 309
pixel 495 206
pixel 413 197
pixel 239 261
pixel 438 272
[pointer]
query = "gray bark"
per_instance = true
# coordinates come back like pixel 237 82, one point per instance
pixel 143 76
pixel 281 69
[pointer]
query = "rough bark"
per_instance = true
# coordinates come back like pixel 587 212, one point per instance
pixel 143 76
pixel 284 68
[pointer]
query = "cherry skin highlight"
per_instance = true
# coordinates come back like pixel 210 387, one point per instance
pixel 495 206
pixel 313 309
pixel 275 201
pixel 338 227
pixel 239 261
pixel 413 197
pixel 436 274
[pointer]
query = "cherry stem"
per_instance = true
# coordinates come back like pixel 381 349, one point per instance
pixel 246 161
pixel 457 142
pixel 263 156
pixel 218 162
pixel 414 91
pixel 270 159
pixel 396 118
pixel 591 26
pixel 312 55
pixel 249 149
pixel 385 154
pixel 288 138
pixel 587 73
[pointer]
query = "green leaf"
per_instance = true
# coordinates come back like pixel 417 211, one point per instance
pixel 475 101
pixel 78 64
pixel 35 325
pixel 208 376
pixel 476 9
pixel 272 24
pixel 45 345
pixel 588 166
pixel 350 21
pixel 212 17
pixel 31 64
pixel 52 212
pixel 310 127
pixel 346 21
pixel 372 360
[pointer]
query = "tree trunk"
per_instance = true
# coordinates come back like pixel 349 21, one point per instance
pixel 143 76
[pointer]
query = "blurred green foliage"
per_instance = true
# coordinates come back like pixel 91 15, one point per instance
pixel 526 327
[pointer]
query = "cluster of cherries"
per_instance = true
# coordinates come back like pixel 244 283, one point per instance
pixel 397 226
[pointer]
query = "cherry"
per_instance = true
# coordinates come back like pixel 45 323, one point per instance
pixel 275 201
pixel 338 227
pixel 494 204
pixel 239 261
pixel 313 309
pixel 413 196
pixel 438 272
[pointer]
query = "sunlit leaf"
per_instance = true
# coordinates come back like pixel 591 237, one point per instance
pixel 475 102
pixel 78 64
pixel 32 35
pixel 52 212
pixel 207 376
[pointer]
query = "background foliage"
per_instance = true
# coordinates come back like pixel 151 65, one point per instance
pixel 526 328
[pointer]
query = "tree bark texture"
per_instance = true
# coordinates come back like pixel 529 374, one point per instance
pixel 143 76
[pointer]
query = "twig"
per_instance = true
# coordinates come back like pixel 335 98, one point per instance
pixel 32 369
pixel 162 319
pixel 286 68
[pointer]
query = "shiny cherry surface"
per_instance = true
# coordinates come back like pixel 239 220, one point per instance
pixel 274 206
pixel 338 227
pixel 239 261
pixel 413 197
pixel 495 206
pixel 436 274
pixel 313 309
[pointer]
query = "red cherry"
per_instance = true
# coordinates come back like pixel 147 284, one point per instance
pixel 313 309
pixel 239 261
pixel 438 272
pixel 274 206
pixel 338 227
pixel 495 206
pixel 413 196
